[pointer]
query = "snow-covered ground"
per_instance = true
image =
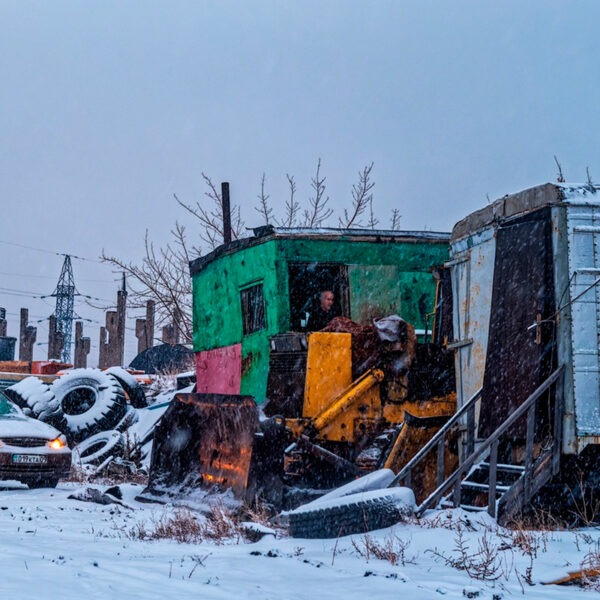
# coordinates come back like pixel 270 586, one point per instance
pixel 51 545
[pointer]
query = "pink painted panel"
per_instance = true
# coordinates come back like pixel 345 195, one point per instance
pixel 219 371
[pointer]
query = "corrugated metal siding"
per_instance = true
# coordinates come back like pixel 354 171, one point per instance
pixel 583 223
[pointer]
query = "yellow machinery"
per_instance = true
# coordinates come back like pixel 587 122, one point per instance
pixel 342 425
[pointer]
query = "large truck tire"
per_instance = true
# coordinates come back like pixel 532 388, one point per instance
pixel 36 400
pixel 131 418
pixel 134 392
pixel 91 401
pixel 355 513
pixel 100 446
pixel 40 482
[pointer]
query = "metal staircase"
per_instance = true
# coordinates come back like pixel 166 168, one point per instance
pixel 475 487
pixel 480 482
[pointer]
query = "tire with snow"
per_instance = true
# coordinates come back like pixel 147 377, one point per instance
pixel 355 513
pixel 133 390
pixel 36 400
pixel 131 417
pixel 91 401
pixel 44 482
pixel 100 446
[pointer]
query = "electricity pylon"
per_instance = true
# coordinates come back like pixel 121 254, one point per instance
pixel 65 303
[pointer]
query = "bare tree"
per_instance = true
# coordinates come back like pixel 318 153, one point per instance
pixel 211 219
pixel 362 198
pixel 292 207
pixel 263 207
pixel 395 220
pixel 590 183
pixel 318 212
pixel 373 220
pixel 162 276
pixel 559 177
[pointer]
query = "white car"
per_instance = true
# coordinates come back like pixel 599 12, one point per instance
pixel 31 451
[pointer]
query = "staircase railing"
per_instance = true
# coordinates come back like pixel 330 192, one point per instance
pixel 474 455
pixel 438 441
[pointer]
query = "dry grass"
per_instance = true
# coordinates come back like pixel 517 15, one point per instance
pixel 182 527
pixel 392 549
pixel 538 520
pixel 590 568
pixel 220 525
pixel 78 474
pixel 586 502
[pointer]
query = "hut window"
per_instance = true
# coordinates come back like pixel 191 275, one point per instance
pixel 253 308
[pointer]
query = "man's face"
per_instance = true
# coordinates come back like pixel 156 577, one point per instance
pixel 327 300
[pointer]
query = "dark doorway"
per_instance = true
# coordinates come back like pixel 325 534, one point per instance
pixel 520 357
pixel 308 280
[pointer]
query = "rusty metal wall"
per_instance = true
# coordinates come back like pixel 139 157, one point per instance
pixel 472 264
pixel 521 341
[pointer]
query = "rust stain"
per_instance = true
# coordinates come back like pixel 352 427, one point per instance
pixel 247 363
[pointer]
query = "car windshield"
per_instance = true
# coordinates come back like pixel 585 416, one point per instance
pixel 7 408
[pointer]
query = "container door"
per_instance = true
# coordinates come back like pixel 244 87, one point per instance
pixel 584 289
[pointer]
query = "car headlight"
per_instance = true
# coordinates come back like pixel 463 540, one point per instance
pixel 57 443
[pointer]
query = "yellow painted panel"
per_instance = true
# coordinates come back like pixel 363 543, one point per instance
pixel 328 370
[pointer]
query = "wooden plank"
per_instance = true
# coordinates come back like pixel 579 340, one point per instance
pixel 492 479
pixel 440 462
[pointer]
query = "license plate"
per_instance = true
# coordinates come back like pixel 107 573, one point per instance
pixel 29 459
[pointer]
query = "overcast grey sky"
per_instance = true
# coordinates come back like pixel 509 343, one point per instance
pixel 110 107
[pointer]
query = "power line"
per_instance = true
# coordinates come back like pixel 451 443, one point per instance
pixel 48 251
pixel 24 292
pixel 30 275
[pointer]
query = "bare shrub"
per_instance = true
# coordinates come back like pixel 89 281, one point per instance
pixel 538 520
pixel 447 520
pixel 259 512
pixel 221 525
pixel 392 549
pixel 586 502
pixel 484 563
pixel 590 568
pixel 182 527
pixel 78 474
pixel 218 526
pixel 132 451
pixel 528 542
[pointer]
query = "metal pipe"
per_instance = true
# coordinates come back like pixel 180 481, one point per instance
pixel 348 396
pixel 226 212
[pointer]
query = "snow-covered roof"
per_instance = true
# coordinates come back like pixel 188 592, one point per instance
pixel 524 202
pixel 333 232
pixel 269 232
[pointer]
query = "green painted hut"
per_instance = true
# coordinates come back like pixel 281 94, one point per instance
pixel 251 289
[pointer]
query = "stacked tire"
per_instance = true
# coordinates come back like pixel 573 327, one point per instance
pixel 88 405
pixel 36 400
pixel 91 401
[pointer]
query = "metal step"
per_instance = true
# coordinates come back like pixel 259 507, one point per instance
pixel 470 508
pixel 484 486
pixel 503 467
